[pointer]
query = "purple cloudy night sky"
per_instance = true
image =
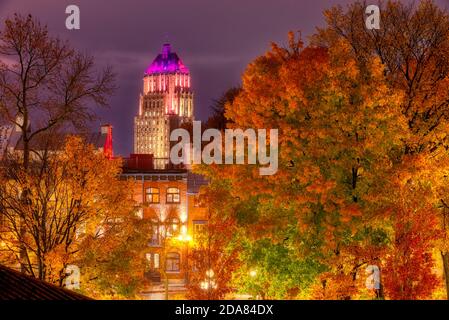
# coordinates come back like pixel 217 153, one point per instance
pixel 216 39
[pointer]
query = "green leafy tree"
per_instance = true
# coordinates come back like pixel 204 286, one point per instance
pixel 340 135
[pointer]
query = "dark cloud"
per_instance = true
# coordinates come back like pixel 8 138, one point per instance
pixel 215 38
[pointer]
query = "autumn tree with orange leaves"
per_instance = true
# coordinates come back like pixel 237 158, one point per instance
pixel 78 213
pixel 413 45
pixel 45 85
pixel 214 257
pixel 408 272
pixel 340 132
pixel 363 158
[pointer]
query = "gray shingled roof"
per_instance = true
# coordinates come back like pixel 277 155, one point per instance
pixel 17 286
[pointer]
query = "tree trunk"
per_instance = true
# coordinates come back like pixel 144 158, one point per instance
pixel 166 287
pixel 26 161
pixel 445 257
pixel 380 293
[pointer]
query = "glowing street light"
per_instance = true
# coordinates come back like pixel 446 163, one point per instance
pixel 184 238
pixel 209 283
pixel 187 240
pixel 205 285
pixel 210 273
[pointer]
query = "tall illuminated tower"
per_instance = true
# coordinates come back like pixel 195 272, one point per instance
pixel 165 103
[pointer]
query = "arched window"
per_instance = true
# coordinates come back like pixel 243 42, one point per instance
pixel 172 262
pixel 173 195
pixel 156 261
pixel 152 195
pixel 152 261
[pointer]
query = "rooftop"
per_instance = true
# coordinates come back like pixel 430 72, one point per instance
pixel 195 182
pixel 166 62
pixel 18 286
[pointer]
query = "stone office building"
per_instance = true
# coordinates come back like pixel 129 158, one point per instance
pixel 166 194
pixel 166 102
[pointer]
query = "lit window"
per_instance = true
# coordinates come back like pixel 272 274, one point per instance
pixel 155 232
pixel 153 195
pixel 173 227
pixel 173 195
pixel 199 228
pixel 148 262
pixel 172 262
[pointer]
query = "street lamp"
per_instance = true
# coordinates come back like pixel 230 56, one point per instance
pixel 184 237
pixel 210 273
pixel 209 283
pixel 187 240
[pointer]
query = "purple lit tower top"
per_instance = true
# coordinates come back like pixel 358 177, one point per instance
pixel 167 73
pixel 165 103
pixel 167 62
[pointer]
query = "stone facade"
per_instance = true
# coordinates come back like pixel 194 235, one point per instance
pixel 165 104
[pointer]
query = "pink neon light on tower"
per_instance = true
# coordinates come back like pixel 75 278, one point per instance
pixel 166 99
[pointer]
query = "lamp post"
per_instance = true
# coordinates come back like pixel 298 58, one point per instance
pixel 187 240
pixel 164 267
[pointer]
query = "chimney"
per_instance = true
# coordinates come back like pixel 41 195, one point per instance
pixel 106 130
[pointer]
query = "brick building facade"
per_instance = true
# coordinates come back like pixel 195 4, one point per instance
pixel 169 198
